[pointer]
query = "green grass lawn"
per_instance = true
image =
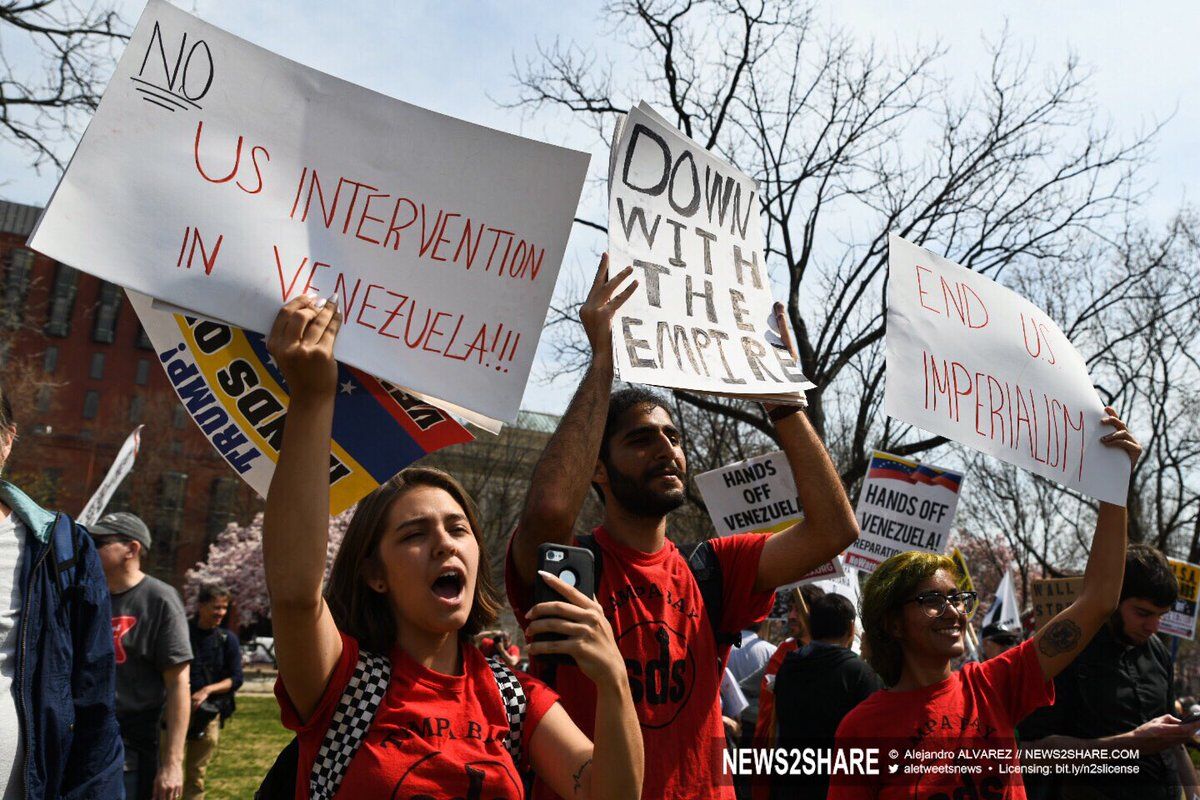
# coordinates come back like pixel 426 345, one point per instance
pixel 250 741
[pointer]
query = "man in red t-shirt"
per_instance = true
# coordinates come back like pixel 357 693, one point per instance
pixel 496 643
pixel 629 449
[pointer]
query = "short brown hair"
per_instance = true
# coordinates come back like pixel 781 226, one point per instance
pixel 890 586
pixel 365 614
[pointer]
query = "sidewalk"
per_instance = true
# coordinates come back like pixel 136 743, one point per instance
pixel 258 679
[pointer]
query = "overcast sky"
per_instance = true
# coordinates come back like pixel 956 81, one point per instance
pixel 456 58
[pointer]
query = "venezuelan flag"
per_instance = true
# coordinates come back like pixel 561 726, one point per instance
pixel 886 465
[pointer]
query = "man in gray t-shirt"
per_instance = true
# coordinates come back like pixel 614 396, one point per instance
pixel 153 653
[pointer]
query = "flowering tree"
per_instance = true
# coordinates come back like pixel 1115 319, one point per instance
pixel 235 559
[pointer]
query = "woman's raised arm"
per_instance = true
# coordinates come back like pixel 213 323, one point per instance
pixel 296 522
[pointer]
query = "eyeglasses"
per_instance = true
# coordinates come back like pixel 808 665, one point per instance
pixel 934 603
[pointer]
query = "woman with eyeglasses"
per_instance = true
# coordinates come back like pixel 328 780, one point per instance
pixel 945 734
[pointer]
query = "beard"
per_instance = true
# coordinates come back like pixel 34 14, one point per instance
pixel 636 497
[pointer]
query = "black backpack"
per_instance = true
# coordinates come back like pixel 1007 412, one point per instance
pixel 352 719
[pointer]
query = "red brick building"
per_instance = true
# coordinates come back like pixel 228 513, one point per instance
pixel 82 375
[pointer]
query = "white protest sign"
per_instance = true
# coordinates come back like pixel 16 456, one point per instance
pixel 903 505
pixel 758 494
pixel 1181 619
pixel 226 179
pixel 121 467
pixel 973 361
pixel 702 316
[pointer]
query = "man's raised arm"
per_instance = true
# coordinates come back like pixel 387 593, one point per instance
pixel 563 474
pixel 829 525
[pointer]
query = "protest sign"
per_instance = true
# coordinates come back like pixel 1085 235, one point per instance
pixel 223 178
pixel 903 505
pixel 702 317
pixel 1050 596
pixel 1181 619
pixel 758 494
pixel 121 467
pixel 235 394
pixel 973 361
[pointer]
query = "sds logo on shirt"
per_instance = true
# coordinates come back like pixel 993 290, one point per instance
pixel 661 677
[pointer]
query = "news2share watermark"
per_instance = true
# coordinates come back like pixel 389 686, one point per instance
pixel 984 762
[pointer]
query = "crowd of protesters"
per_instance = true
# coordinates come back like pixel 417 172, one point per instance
pixel 397 682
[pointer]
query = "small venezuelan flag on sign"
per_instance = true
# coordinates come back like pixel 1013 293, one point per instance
pixel 886 465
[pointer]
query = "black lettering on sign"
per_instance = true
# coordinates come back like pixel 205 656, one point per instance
pixel 174 77
pixel 423 415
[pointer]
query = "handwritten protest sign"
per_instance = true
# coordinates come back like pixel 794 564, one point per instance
pixel 702 316
pixel 758 494
pixel 121 467
pixel 235 394
pixel 1181 619
pixel 1052 595
pixel 973 361
pixel 903 505
pixel 226 179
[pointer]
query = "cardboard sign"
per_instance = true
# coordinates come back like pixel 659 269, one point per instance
pixel 1052 595
pixel 973 361
pixel 702 316
pixel 1181 619
pixel 235 394
pixel 903 505
pixel 758 494
pixel 226 179
pixel 121 467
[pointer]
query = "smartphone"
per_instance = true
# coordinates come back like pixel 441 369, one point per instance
pixel 1189 719
pixel 574 566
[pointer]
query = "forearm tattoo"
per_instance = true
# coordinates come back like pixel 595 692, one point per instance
pixel 1061 637
pixel 578 776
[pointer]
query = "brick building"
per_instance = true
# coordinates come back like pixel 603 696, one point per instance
pixel 82 375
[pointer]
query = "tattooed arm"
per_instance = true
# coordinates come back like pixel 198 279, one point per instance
pixel 1065 636
pixel 563 475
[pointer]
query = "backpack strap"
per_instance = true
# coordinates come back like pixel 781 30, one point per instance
pixel 66 554
pixel 351 720
pixel 515 705
pixel 706 568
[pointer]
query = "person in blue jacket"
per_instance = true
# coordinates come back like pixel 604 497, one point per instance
pixel 58 729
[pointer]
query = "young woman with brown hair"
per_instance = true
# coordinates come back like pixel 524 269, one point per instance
pixel 411 583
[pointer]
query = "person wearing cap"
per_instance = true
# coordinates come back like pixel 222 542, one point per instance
pixel 996 639
pixel 58 731
pixel 153 654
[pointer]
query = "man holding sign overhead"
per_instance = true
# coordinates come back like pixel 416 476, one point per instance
pixel 674 617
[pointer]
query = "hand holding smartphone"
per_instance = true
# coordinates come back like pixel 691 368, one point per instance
pixel 575 567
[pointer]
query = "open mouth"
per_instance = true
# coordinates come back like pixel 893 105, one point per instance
pixel 449 585
pixel 953 632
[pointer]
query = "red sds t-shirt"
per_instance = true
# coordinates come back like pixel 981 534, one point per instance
pixel 969 715
pixel 433 735
pixel 661 626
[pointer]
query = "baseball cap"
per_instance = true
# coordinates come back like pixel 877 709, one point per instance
pixel 1000 634
pixel 122 523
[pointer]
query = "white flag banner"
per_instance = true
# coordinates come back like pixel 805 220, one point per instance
pixel 225 179
pixel 757 495
pixel 121 467
pixel 702 317
pixel 1004 611
pixel 975 362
